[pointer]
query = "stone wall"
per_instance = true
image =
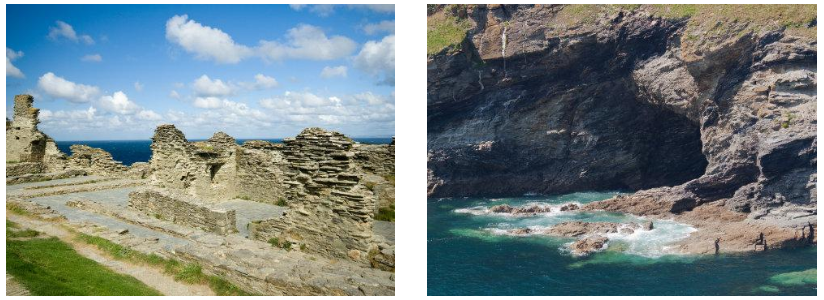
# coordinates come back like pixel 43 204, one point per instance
pixel 260 172
pixel 24 143
pixel 317 174
pixel 329 210
pixel 377 163
pixel 30 151
pixel 181 211
pixel 95 161
pixel 207 170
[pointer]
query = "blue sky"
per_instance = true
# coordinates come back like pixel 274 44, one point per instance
pixel 103 72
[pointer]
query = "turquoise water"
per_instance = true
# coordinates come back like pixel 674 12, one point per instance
pixel 129 152
pixel 469 253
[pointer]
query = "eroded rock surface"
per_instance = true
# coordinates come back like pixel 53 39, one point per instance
pixel 531 101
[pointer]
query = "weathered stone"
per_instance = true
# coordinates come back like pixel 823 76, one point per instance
pixel 24 142
pixel 588 245
pixel 182 211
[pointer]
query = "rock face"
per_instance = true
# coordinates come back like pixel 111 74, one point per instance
pixel 625 100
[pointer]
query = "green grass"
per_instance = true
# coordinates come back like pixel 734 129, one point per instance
pixel 444 31
pixel 281 202
pixel 189 273
pixel 386 214
pixel 390 179
pixel 50 267
pixel 17 209
pixel 13 231
pixel 674 11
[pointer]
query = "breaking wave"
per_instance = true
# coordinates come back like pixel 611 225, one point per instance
pixel 639 241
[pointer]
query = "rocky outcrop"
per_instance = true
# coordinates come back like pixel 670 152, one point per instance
pixel 24 142
pixel 588 245
pixel 553 99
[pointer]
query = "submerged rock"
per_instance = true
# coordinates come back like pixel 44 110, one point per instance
pixel 588 245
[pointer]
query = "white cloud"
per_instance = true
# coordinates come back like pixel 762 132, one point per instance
pixel 377 28
pixel 149 115
pixel 308 42
pixel 174 95
pixel 370 98
pixel 323 10
pixel 11 70
pixel 204 86
pixel 138 86
pixel 119 103
pixel 208 102
pixel 64 30
pixel 378 59
pixel 330 72
pixel 302 42
pixel 49 116
pixel 380 8
pixel 204 41
pixel 58 87
pixel 307 108
pixel 265 82
pixel 92 58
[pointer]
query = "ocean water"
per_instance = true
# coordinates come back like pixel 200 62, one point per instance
pixel 129 152
pixel 469 253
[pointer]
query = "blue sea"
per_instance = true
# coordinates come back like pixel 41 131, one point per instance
pixel 469 252
pixel 129 152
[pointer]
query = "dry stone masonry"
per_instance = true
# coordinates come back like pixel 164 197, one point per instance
pixel 270 217
pixel 316 174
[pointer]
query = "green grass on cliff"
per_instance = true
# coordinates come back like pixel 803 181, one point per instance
pixel 50 267
pixel 444 31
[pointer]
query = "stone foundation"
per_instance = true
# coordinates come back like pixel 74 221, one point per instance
pixel 168 207
pixel 23 168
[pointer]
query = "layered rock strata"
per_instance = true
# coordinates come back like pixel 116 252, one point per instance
pixel 553 99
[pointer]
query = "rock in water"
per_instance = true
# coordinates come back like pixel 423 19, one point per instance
pixel 588 245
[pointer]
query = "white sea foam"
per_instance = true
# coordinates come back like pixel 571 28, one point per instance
pixel 647 243
pixel 550 209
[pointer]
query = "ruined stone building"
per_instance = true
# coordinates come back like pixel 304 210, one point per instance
pixel 315 174
pixel 331 187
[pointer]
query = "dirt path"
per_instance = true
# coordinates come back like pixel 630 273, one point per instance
pixel 14 288
pixel 152 277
